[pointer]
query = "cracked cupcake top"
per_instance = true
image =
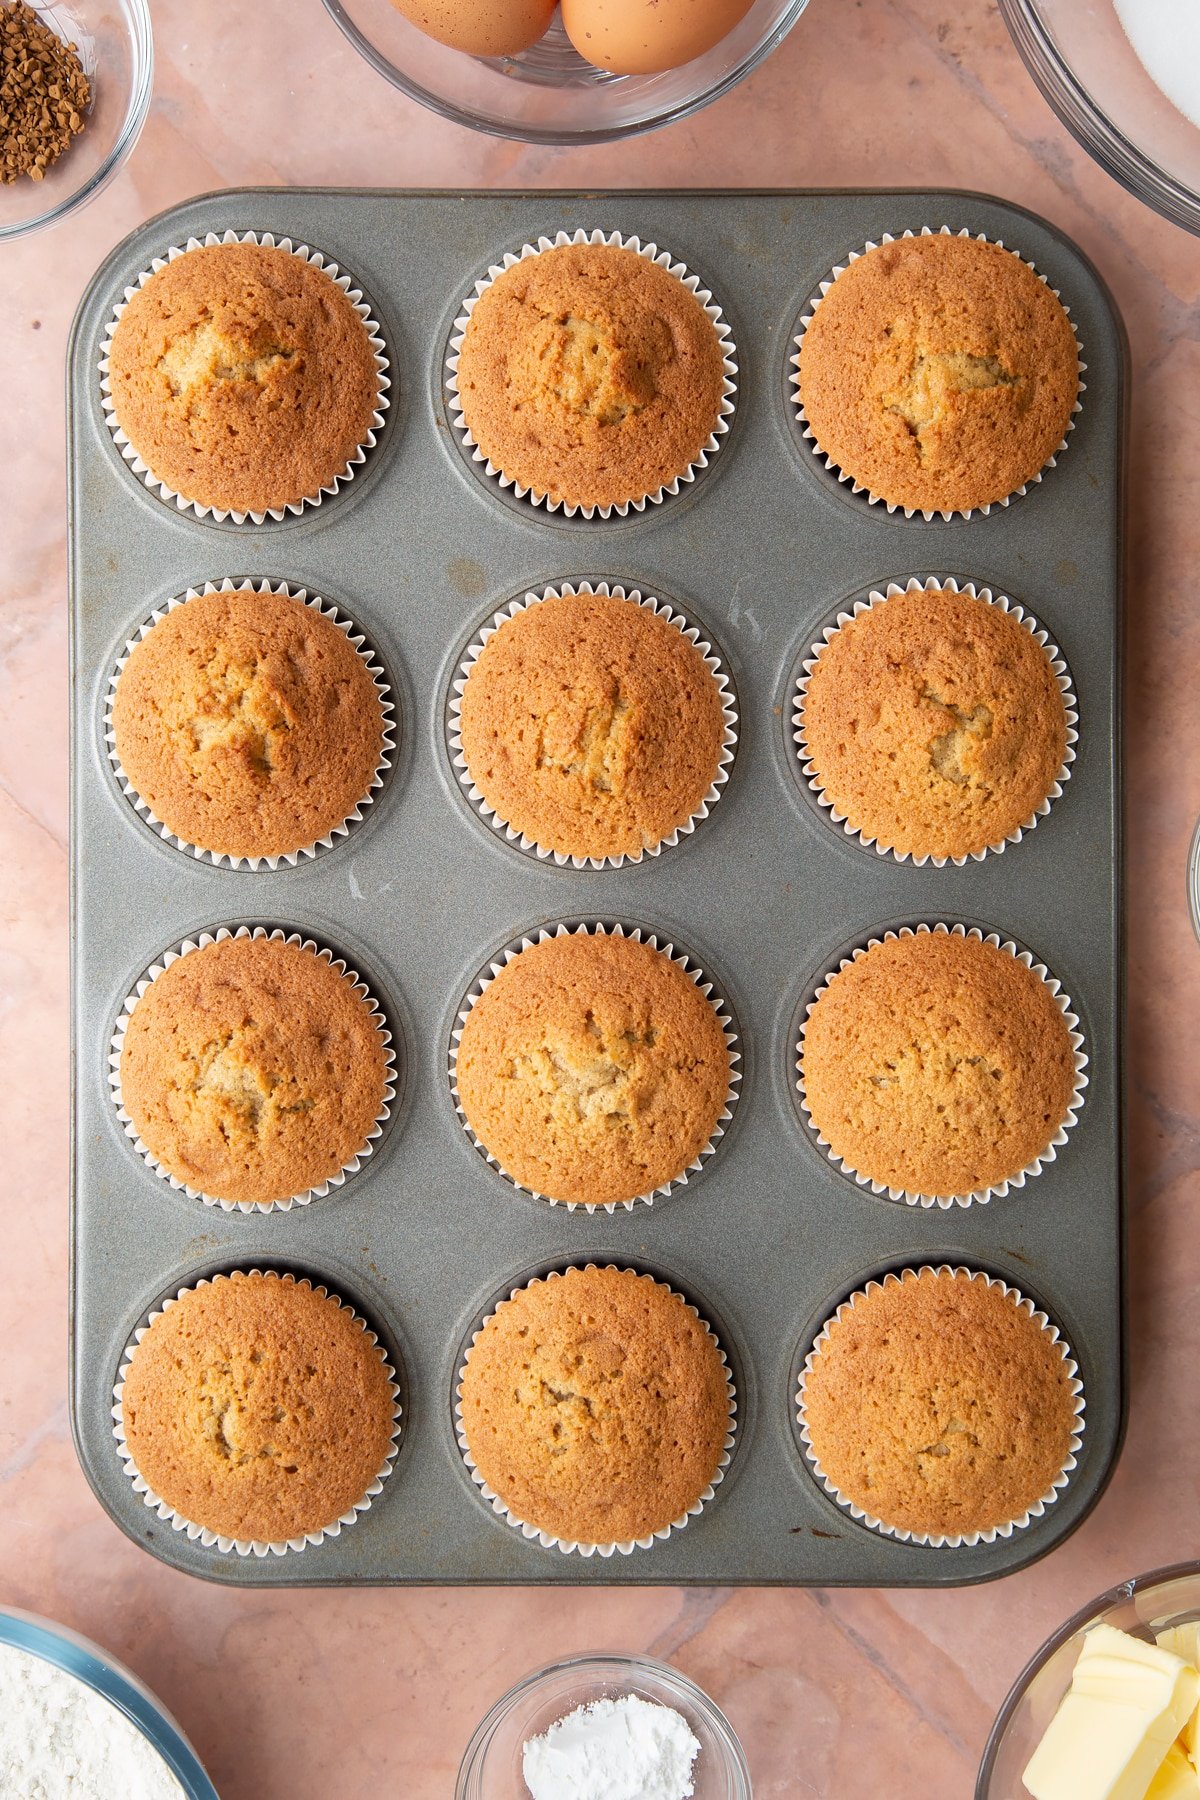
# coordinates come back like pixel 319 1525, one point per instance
pixel 590 374
pixel 935 723
pixel 596 1405
pixel 937 1064
pixel 939 372
pixel 938 1405
pixel 591 725
pixel 248 723
pixel 258 1408
pixel 243 377
pixel 252 1070
pixel 592 1069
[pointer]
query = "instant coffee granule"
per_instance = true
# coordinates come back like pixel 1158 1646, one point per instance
pixel 44 93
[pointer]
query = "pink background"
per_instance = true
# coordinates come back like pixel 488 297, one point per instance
pixel 336 1696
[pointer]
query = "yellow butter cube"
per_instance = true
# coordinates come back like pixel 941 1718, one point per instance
pixel 1184 1641
pixel 1118 1720
pixel 1176 1780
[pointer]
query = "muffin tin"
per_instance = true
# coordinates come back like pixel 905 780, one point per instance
pixel 766 894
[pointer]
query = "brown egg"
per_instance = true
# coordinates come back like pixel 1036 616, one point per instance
pixel 641 37
pixel 480 27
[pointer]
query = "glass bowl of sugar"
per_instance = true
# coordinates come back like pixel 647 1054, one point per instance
pixel 611 1717
pixel 1124 78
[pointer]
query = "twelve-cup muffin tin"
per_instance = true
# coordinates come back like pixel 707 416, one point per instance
pixel 761 552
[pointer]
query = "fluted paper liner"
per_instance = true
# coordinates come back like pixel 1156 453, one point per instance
pixel 690 968
pixel 267 241
pixel 569 1547
pixel 370 661
pixel 661 608
pixel 965 1540
pixel 652 253
pixel 979 1196
pixel 935 584
pixel 273 935
pixel 858 487
pixel 201 1533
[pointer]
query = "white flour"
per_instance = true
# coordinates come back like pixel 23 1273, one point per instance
pixel 60 1740
pixel 627 1749
pixel 1166 36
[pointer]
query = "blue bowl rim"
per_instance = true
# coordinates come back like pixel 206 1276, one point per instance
pixel 78 1656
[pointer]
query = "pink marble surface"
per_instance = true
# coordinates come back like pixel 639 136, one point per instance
pixel 337 1696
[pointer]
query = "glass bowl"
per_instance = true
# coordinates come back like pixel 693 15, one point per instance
pixel 549 94
pixel 1193 878
pixel 1087 69
pixel 1143 1606
pixel 100 1671
pixel 491 1768
pixel 116 49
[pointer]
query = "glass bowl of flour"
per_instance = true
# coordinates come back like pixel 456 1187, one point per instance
pixel 1124 78
pixel 604 1728
pixel 73 1720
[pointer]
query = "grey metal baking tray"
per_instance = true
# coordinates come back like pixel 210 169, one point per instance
pixel 765 894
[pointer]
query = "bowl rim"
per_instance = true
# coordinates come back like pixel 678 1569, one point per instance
pixel 534 134
pixel 1123 1590
pixel 608 1660
pixel 1089 125
pixel 97 1669
pixel 137 109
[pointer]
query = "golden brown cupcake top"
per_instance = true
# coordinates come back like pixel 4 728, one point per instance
pixel 243 377
pixel 940 373
pixel 592 725
pixel 258 1408
pixel 937 1064
pixel 593 1069
pixel 596 1406
pixel 938 1405
pixel 248 723
pixel 253 1070
pixel 935 723
pixel 590 374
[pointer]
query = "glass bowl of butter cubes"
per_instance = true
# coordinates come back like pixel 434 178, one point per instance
pixel 1109 1708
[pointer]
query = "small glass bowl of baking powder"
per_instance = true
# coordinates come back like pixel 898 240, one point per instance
pixel 145 1741
pixel 492 1766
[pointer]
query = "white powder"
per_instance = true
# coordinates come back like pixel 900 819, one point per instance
pixel 627 1749
pixel 60 1740
pixel 1166 36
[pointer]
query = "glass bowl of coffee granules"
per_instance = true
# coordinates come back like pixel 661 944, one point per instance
pixel 75 79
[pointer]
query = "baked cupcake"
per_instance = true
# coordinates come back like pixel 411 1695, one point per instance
pixel 938 1064
pixel 244 377
pixel 254 1070
pixel 593 1069
pixel 596 1407
pixel 592 726
pixel 590 375
pixel 933 723
pixel 258 1408
pixel 941 1406
pixel 938 372
pixel 248 723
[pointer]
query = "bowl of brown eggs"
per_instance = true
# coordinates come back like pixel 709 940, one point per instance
pixel 564 71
